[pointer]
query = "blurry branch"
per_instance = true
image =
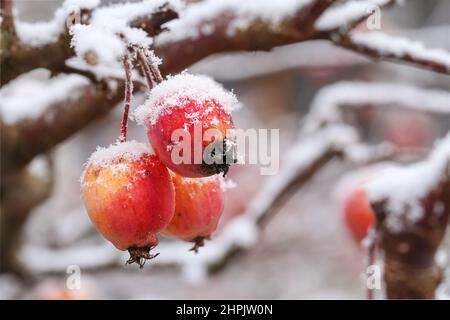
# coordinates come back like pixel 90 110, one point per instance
pixel 332 102
pixel 19 57
pixel 20 193
pixel 411 270
pixel 390 50
pixel 21 142
pixel 7 25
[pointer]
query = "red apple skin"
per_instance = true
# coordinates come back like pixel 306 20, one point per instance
pixel 128 207
pixel 359 215
pixel 199 204
pixel 208 115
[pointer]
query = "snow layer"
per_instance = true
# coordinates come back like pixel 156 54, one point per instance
pixel 173 92
pixel 40 33
pixel 405 186
pixel 342 16
pixel 243 12
pixel 30 95
pixel 129 150
pixel 107 47
pixel 400 47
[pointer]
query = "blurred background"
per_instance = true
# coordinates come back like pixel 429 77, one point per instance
pixel 305 251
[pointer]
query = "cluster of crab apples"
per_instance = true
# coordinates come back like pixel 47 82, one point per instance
pixel 133 192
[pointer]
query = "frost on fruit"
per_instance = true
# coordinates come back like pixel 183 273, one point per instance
pixel 129 197
pixel 174 91
pixel 196 111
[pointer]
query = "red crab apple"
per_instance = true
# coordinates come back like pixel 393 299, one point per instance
pixel 199 203
pixel 189 125
pixel 359 215
pixel 129 196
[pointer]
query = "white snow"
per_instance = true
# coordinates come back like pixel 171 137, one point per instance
pixel 191 23
pixel 327 103
pixel 107 47
pixel 174 91
pixel 40 33
pixel 358 178
pixel 30 95
pixel 344 15
pixel 400 47
pixel 101 36
pixel 39 167
pixel 227 184
pixel 117 16
pixel 405 186
pixel 129 150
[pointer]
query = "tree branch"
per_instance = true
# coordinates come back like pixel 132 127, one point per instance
pixel 24 57
pixel 15 208
pixel 411 270
pixel 381 46
pixel 21 142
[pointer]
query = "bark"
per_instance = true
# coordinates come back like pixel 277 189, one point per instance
pixel 411 271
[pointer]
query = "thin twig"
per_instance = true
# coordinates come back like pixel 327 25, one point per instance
pixel 154 68
pixel 145 68
pixel 127 100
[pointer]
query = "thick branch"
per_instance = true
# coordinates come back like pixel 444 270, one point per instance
pixel 258 35
pixel 23 140
pixel 411 271
pixel 20 192
pixel 412 208
pixel 23 57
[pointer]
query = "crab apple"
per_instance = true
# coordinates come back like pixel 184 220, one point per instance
pixel 189 125
pixel 199 203
pixel 359 215
pixel 129 196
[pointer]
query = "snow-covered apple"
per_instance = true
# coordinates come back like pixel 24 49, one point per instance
pixel 189 125
pixel 129 196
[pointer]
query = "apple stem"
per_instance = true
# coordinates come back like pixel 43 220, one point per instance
pixel 145 68
pixel 127 99
pixel 155 69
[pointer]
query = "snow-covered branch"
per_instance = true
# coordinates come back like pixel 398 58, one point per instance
pixel 328 104
pixel 50 44
pixel 412 205
pixel 35 181
pixel 49 112
pixel 379 45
